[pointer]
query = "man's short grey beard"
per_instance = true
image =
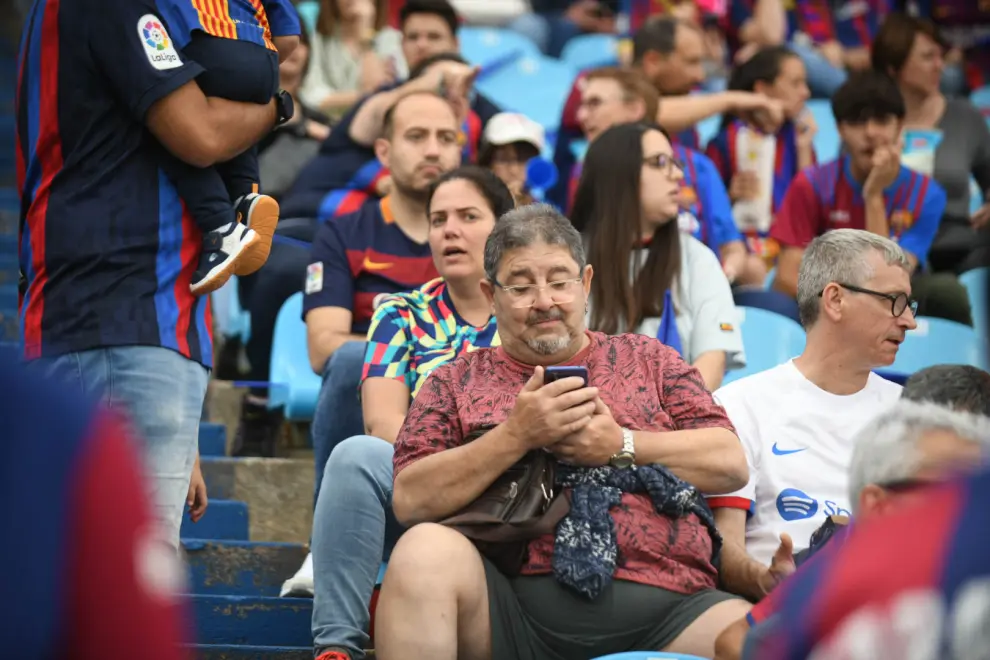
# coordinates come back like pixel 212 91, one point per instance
pixel 548 346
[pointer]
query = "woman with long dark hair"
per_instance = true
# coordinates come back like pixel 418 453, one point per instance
pixel 651 278
pixel 779 73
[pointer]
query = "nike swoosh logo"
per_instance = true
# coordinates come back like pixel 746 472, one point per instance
pixel 784 452
pixel 371 265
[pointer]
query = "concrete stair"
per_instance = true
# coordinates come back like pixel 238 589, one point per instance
pixel 238 559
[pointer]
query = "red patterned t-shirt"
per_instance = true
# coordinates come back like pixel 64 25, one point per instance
pixel 646 385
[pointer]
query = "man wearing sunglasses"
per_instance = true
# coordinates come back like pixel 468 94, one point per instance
pixel 868 188
pixel 898 454
pixel 797 421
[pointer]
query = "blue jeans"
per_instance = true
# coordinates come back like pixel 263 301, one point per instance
pixel 354 530
pixel 338 409
pixel 162 394
pixel 824 78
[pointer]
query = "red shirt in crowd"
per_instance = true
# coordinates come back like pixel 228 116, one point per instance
pixel 646 385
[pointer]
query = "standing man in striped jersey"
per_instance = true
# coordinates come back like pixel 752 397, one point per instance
pixel 107 248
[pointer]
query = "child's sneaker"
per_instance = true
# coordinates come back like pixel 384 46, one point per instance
pixel 222 248
pixel 260 214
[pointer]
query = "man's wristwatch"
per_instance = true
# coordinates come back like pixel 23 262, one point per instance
pixel 284 107
pixel 626 457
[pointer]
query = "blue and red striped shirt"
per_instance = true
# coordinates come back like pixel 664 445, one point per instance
pixel 106 245
pixel 825 197
pixel 357 257
pixel 709 205
pixel 256 21
pixel 908 584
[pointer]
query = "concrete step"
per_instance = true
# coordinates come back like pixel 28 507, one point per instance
pixel 212 439
pixel 224 519
pixel 278 491
pixel 231 652
pixel 252 621
pixel 241 568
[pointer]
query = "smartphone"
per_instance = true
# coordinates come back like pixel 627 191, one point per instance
pixel 556 373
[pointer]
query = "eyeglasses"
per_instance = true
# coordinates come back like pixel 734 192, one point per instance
pixel 522 296
pixel 898 301
pixel 664 162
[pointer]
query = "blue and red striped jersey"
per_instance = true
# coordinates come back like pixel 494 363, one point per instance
pixel 858 21
pixel 106 245
pixel 256 21
pixel 344 174
pixel 70 457
pixel 359 256
pixel 709 201
pixel 909 584
pixel 825 197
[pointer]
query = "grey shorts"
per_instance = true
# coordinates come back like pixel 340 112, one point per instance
pixel 534 618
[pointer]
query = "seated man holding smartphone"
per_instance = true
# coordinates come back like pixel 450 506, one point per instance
pixel 637 440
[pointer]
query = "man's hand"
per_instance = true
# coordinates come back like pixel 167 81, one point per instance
pixel 781 566
pixel 884 170
pixel 196 499
pixel 856 59
pixel 832 51
pixel 981 218
pixel 765 113
pixel 745 186
pixel 807 128
pixel 595 444
pixel 543 414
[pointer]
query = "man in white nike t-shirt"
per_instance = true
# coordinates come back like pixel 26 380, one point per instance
pixel 797 421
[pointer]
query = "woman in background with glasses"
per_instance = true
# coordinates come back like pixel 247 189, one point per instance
pixel 651 278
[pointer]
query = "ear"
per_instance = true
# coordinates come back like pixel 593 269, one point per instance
pixel 488 289
pixel 382 149
pixel 586 276
pixel 872 500
pixel 761 87
pixel 640 110
pixel 831 305
pixel 650 62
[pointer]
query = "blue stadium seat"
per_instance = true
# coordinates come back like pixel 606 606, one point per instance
pixel 590 51
pixel 937 341
pixel 769 340
pixel 294 386
pixel 827 140
pixel 981 99
pixel 308 10
pixel 771 276
pixel 231 320
pixel 978 288
pixel 483 45
pixel 771 301
pixel 536 86
pixel 707 129
pixel 648 655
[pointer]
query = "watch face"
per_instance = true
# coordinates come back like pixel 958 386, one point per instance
pixel 622 461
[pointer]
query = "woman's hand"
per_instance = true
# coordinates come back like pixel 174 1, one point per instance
pixel 981 218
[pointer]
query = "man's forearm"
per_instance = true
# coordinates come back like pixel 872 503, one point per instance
pixel 325 345
pixel 711 365
pixel 876 215
pixel 679 113
pixel 236 127
pixel 740 573
pixel 439 485
pixel 711 459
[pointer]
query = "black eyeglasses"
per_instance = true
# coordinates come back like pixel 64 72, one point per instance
pixel 904 485
pixel 898 301
pixel 665 162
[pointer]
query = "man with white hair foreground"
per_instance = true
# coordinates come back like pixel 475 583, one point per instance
pixel 904 449
pixel 797 421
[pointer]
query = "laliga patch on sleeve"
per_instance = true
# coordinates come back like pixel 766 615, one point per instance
pixel 157 45
pixel 314 278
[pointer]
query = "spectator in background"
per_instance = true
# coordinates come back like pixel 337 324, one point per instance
pixel 646 580
pixel 672 289
pixel 95 583
pixel 283 152
pixel 552 23
pixel 612 96
pixel 411 334
pixel 779 74
pixel 358 259
pixel 910 50
pixel 105 303
pixel 797 421
pixel 669 53
pixel 354 53
pixel 751 25
pixel 509 142
pixel 903 449
pixel 964 27
pixel 957 386
pixel 868 188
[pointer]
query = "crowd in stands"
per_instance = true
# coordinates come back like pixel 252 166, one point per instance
pixel 486 296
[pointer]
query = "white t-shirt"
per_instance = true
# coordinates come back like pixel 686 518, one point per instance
pixel 798 441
